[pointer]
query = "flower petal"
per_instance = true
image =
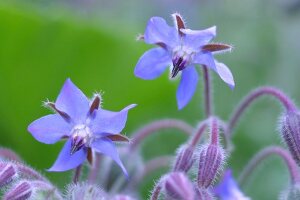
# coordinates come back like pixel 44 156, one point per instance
pixel 187 86
pixel 205 58
pixel 152 64
pixel 72 101
pixel 225 74
pixel 198 38
pixel 228 188
pixel 66 161
pixel 158 31
pixel 105 146
pixel 110 122
pixel 49 129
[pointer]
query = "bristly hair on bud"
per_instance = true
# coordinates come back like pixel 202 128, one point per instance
pixel 292 193
pixel 184 159
pixel 212 158
pixel 203 194
pixel 84 191
pixel 123 197
pixel 177 187
pixel 290 132
pixel 21 191
pixel 7 173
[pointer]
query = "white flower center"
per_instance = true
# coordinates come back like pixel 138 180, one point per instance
pixel 84 132
pixel 186 53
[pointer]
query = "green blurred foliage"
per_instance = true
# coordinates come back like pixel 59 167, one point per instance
pixel 41 47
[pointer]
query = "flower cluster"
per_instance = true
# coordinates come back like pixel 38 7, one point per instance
pixel 90 133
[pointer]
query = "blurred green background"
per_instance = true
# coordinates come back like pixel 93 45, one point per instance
pixel 42 43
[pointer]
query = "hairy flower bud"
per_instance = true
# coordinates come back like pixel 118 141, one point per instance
pixel 21 191
pixel 84 191
pixel 7 173
pixel 203 194
pixel 210 162
pixel 291 193
pixel 178 187
pixel 290 131
pixel 123 197
pixel 184 159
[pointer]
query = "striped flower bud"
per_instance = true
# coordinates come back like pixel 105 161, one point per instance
pixel 7 173
pixel 290 131
pixel 291 193
pixel 178 187
pixel 21 191
pixel 184 159
pixel 211 160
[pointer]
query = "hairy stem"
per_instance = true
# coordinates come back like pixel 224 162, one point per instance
pixel 196 137
pixel 151 166
pixel 254 95
pixel 147 130
pixel 263 154
pixel 214 131
pixel 77 174
pixel 95 169
pixel 207 92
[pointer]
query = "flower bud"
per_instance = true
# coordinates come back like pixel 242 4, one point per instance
pixel 184 159
pixel 178 187
pixel 84 191
pixel 123 197
pixel 7 173
pixel 211 160
pixel 290 131
pixel 21 191
pixel 291 193
pixel 203 194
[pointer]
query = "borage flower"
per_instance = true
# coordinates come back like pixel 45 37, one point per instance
pixel 180 48
pixel 86 127
pixel 228 189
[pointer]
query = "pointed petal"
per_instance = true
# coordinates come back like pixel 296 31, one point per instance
pixel 49 129
pixel 152 64
pixel 197 38
pixel 205 58
pixel 72 101
pixel 66 161
pixel 187 86
pixel 225 74
pixel 110 122
pixel 158 31
pixel 105 146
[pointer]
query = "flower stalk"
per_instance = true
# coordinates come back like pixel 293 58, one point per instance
pixel 265 153
pixel 152 127
pixel 254 95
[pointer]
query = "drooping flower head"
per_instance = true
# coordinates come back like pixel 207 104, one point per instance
pixel 180 48
pixel 228 189
pixel 84 124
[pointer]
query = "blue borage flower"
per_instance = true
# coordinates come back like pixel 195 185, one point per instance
pixel 85 126
pixel 180 48
pixel 228 189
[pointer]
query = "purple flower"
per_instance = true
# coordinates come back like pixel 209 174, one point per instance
pixel 180 48
pixel 228 189
pixel 85 126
